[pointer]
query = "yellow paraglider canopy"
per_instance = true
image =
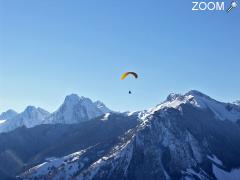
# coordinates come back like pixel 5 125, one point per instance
pixel 129 73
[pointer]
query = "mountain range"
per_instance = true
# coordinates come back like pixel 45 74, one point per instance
pixel 190 136
pixel 74 109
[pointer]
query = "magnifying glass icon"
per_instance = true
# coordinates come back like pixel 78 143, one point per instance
pixel 234 4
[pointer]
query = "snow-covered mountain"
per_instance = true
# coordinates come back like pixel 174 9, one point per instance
pixel 76 109
pixel 189 136
pixel 30 117
pixel 25 147
pixel 221 110
pixel 9 114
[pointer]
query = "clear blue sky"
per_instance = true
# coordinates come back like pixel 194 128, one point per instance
pixel 51 48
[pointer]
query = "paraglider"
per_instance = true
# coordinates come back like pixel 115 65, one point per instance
pixel 126 74
pixel 129 73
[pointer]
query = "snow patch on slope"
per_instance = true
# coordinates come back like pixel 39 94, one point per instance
pixel 223 175
pixel 121 152
pixel 102 107
pixel 215 160
pixel 190 173
pixel 2 121
pixel 105 117
pixel 56 163
pixel 222 111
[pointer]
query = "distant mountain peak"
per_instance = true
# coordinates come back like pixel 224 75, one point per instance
pixel 34 110
pixel 11 111
pixel 197 93
pixel 30 108
pixel 186 96
pixel 76 109
pixel 193 97
pixel 30 117
pixel 222 111
pixel 72 98
pixel 9 114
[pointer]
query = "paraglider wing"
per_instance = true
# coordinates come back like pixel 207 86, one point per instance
pixel 129 73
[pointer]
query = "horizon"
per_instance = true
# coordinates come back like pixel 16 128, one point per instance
pixel 115 110
pixel 49 49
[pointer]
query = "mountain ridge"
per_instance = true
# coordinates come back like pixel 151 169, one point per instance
pixel 73 110
pixel 182 138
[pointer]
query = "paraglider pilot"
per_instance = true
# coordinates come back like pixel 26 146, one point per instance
pixel 129 73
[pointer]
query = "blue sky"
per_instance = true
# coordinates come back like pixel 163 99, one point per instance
pixel 51 48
